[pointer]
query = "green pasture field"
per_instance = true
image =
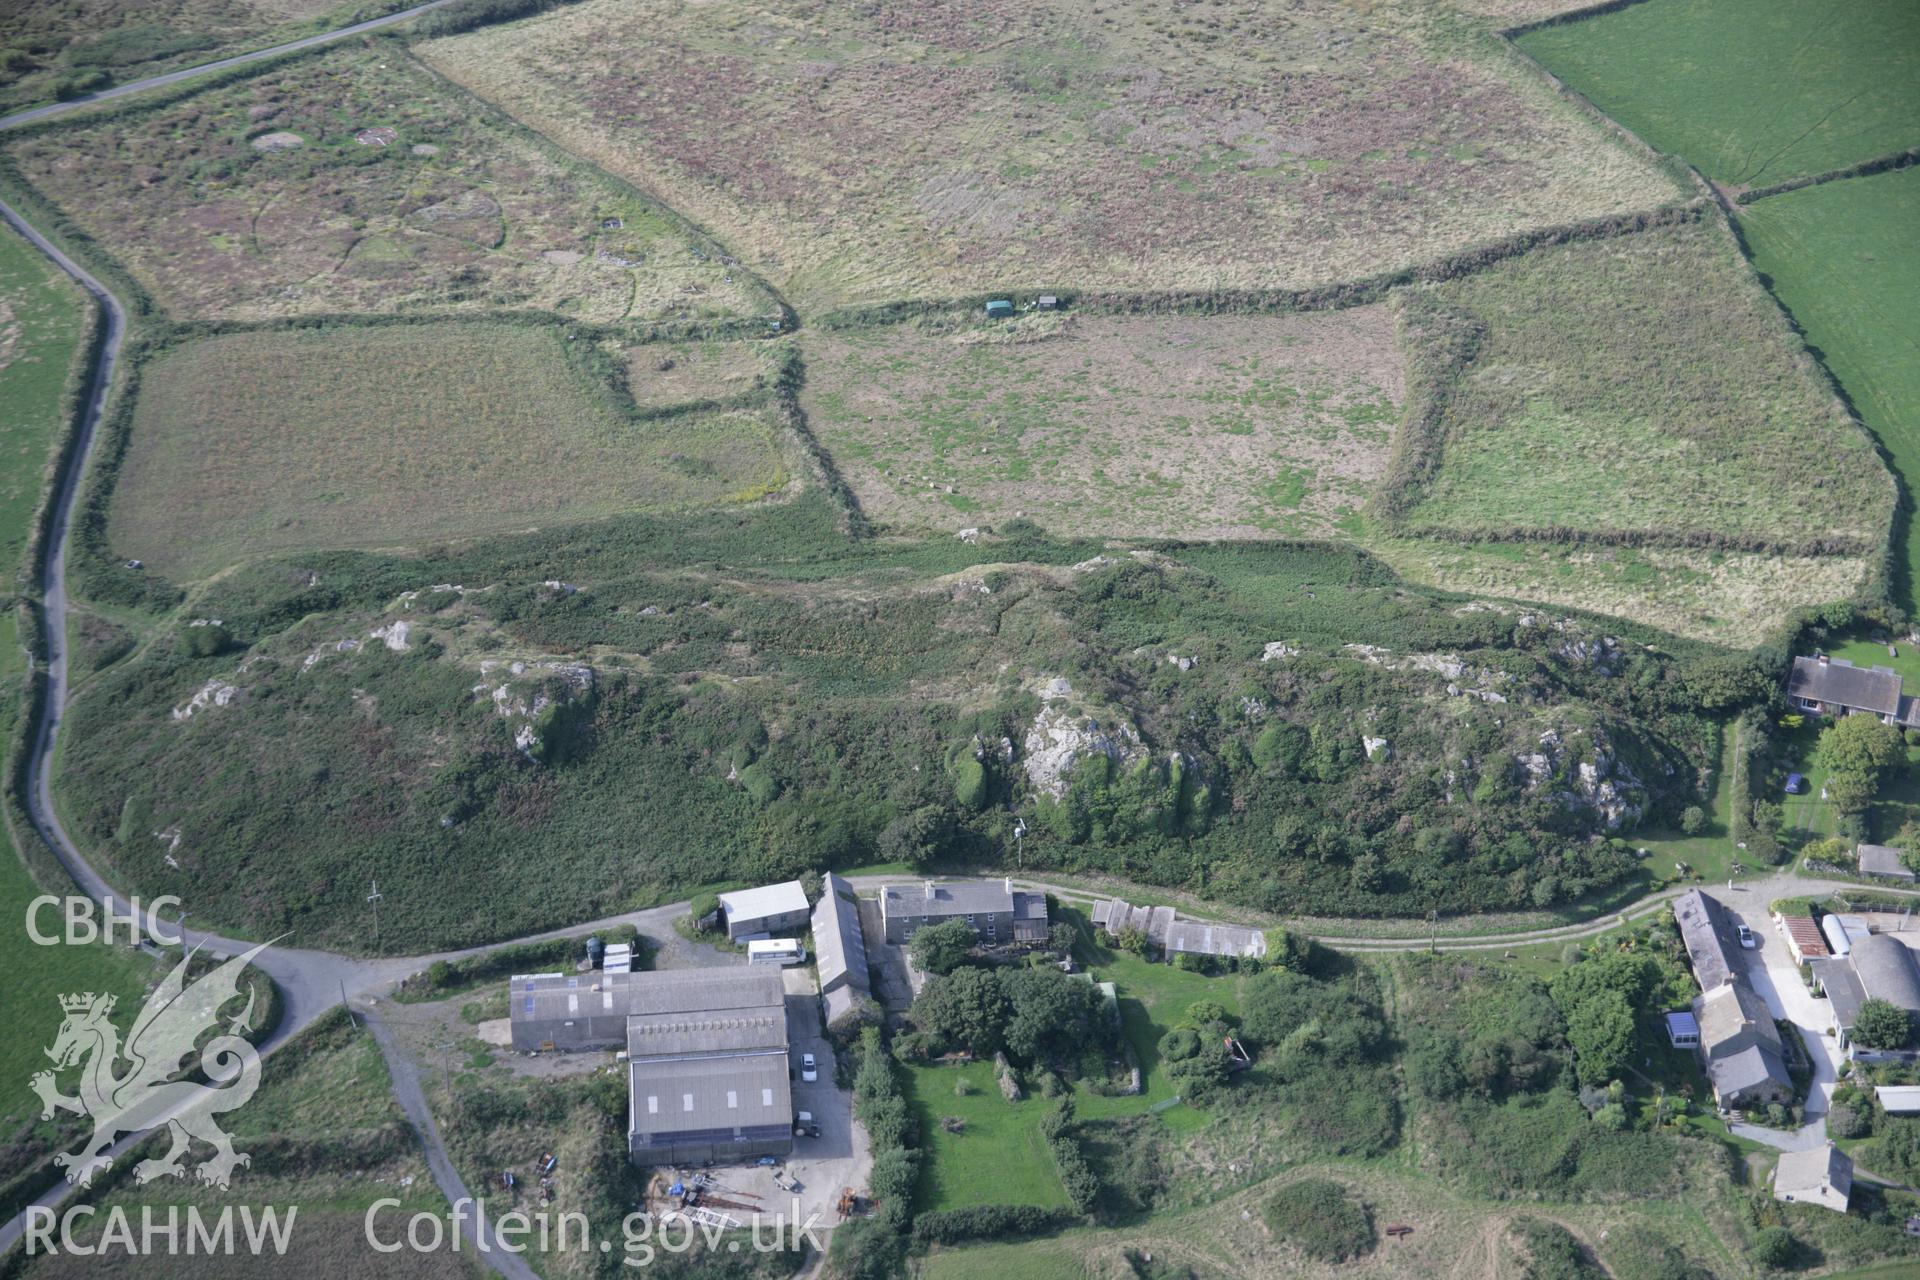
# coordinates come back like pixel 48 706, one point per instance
pixel 998 1158
pixel 1170 426
pixel 42 317
pixel 923 151
pixel 1646 386
pixel 1840 258
pixel 1751 92
pixel 351 181
pixel 252 443
pixel 89 43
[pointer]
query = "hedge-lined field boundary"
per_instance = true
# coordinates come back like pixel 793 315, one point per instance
pixel 1865 169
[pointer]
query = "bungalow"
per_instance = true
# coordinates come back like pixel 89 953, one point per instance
pixel 1822 1176
pixel 1884 861
pixel 1825 686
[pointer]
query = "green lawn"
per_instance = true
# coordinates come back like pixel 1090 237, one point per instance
pixel 1752 92
pixel 1840 258
pixel 998 1158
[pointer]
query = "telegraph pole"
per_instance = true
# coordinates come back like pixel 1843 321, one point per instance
pixel 374 899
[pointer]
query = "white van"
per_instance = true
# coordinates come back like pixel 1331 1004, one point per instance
pixel 781 951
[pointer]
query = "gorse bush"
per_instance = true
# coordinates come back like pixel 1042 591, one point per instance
pixel 1321 1218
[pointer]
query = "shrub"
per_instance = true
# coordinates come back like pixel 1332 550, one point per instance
pixel 1693 820
pixel 1881 1024
pixel 942 948
pixel 1848 1121
pixel 1774 1248
pixel 987 1222
pixel 1205 1013
pixel 1179 1044
pixel 1318 1217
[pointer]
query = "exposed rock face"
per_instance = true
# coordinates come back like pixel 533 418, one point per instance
pixel 1276 650
pixel 1376 747
pixel 1600 784
pixel 1058 741
pixel 214 693
pixel 1601 653
pixel 394 634
pixel 535 707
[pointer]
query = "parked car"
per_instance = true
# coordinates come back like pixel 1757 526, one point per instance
pixel 1796 784
pixel 1747 939
pixel 804 1125
pixel 809 1069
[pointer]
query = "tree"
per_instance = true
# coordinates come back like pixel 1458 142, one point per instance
pixel 1856 751
pixel 1693 820
pixel 942 948
pixel 966 1009
pixel 1052 1017
pixel 1774 1248
pixel 917 838
pixel 1601 1031
pixel 1881 1024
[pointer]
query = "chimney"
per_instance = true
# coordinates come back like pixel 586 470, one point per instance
pixel 929 890
pixel 1009 883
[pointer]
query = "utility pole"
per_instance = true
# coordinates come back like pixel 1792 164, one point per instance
pixel 374 898
pixel 1019 845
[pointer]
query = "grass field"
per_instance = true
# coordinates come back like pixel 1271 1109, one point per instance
pixel 42 316
pixel 1752 92
pixel 267 197
pixel 428 432
pixel 919 150
pixel 1735 598
pixel 1645 385
pixel 1185 427
pixel 84 41
pixel 325 1135
pixel 1840 258
pixel 998 1158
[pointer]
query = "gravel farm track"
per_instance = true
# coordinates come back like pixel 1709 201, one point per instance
pixel 314 982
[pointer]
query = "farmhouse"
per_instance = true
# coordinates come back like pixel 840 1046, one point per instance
pixel 1825 686
pixel 1740 1047
pixel 707 1067
pixel 1174 936
pixel 765 911
pixel 1822 1176
pixel 1885 861
pixel 840 950
pixel 991 909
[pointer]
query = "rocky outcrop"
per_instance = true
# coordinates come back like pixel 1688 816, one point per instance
pixel 1060 739
pixel 1598 782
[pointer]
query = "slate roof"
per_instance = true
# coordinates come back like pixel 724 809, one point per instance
pixel 766 900
pixel 1708 937
pixel 1883 860
pixel 1844 993
pixel 957 898
pixel 1732 1017
pixel 1887 971
pixel 1838 683
pixel 1823 1175
pixel 1752 1068
pixel 840 949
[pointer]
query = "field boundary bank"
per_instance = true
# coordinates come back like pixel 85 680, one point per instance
pixel 1702 539
pixel 1889 163
pixel 1331 297
pixel 1568 17
pixel 786 398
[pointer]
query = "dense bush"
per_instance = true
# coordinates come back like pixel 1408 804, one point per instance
pixel 1040 1017
pixel 467 15
pixel 1321 1218
pixel 1554 1253
pixel 941 948
pixel 987 1222
pixel 1881 1024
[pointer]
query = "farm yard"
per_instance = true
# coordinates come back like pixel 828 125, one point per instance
pixel 1180 427
pixel 1841 84
pixel 350 180
pixel 1643 386
pixel 426 432
pixel 921 151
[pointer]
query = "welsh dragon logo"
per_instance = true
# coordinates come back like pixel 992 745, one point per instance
pixel 146 1094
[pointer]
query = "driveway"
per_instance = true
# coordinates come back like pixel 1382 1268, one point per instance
pixel 1771 970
